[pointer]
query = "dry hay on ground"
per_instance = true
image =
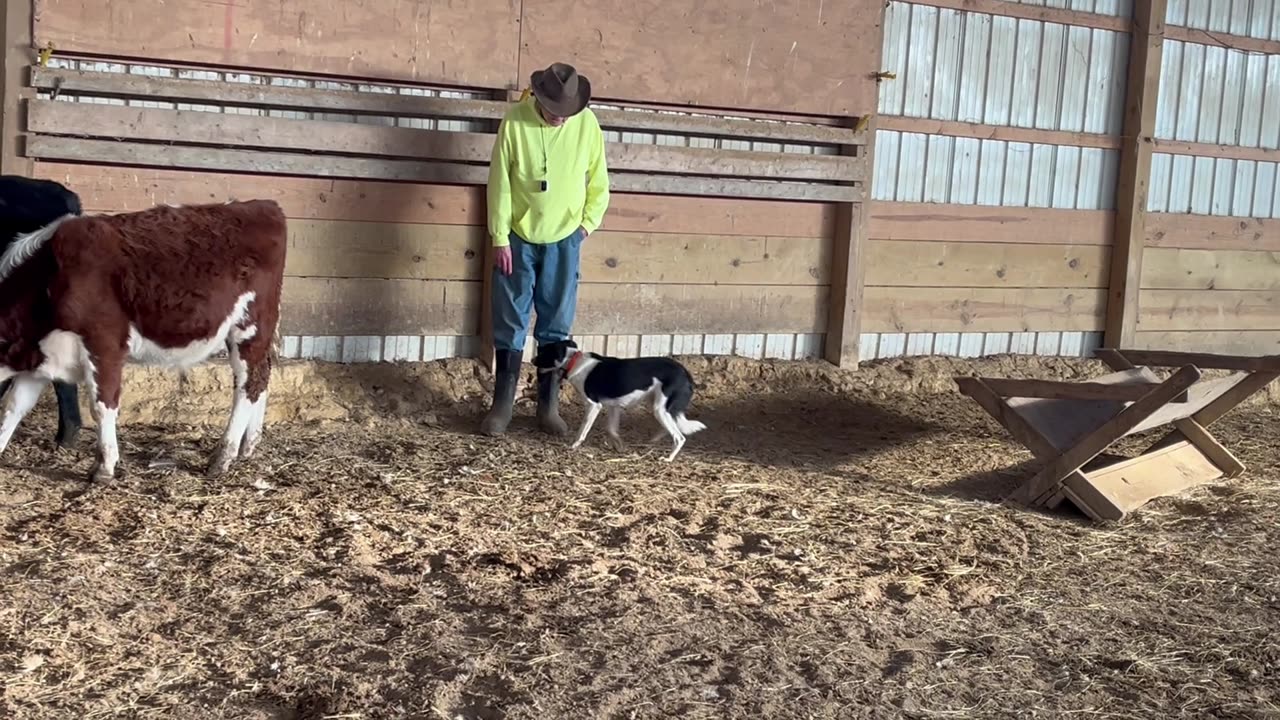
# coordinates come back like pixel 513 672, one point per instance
pixel 829 548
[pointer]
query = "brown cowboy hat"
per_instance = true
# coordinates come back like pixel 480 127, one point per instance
pixel 560 89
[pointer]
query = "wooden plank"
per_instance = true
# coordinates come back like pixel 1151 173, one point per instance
pixel 189 126
pixel 1017 426
pixel 905 309
pixel 842 347
pixel 1098 440
pixel 1130 485
pixel 1063 424
pixel 346 249
pixel 1203 232
pixel 214 92
pixel 619 308
pixel 465 44
pixel 15 28
pixel 1195 434
pixel 1184 269
pixel 812 58
pixel 276 163
pixel 1066 390
pixel 1263 342
pixel 1213 150
pixel 368 306
pixel 1238 393
pixel 1142 90
pixel 974 264
pixel 926 126
pixel 1084 496
pixel 976 223
pixel 1199 397
pixel 1165 310
pixel 1223 40
pixel 610 256
pixel 1004 8
pixel 115 189
pixel 1202 360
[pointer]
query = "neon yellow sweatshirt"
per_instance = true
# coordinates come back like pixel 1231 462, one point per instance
pixel 569 158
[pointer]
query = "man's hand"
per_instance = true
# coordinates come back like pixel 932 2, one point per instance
pixel 502 259
pixel 584 232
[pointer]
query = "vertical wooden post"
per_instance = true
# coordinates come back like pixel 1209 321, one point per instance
pixel 1146 47
pixel 844 318
pixel 17 57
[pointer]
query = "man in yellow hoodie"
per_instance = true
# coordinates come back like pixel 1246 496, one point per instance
pixel 548 191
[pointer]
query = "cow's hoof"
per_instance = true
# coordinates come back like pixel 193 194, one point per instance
pixel 101 475
pixel 219 467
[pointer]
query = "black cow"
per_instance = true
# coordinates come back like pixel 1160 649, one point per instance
pixel 26 205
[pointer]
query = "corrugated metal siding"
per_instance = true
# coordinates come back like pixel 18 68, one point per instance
pixel 1247 18
pixel 1114 8
pixel 1215 95
pixel 1213 186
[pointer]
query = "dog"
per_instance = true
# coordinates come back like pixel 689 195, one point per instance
pixel 619 383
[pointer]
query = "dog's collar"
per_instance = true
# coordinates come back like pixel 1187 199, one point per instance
pixel 568 367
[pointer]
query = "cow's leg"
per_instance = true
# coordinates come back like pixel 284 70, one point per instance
pixel 23 394
pixel 251 367
pixel 69 424
pixel 106 370
pixel 238 422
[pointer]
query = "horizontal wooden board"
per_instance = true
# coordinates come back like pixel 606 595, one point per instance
pixel 470 43
pixel 972 264
pixel 610 309
pixel 347 249
pixel 1229 342
pixel 1223 40
pixel 1209 310
pixel 1182 269
pixel 49 147
pixel 905 309
pixel 925 126
pixel 1204 232
pixel 121 85
pixel 1061 16
pixel 366 306
pixel 805 56
pixel 53 117
pixel 609 256
pixel 980 223
pixel 105 188
pixel 1213 150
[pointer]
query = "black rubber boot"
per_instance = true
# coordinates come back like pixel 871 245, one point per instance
pixel 68 396
pixel 506 374
pixel 549 420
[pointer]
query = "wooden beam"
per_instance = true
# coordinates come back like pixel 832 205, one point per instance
pixel 979 223
pixel 1223 40
pixel 1202 360
pixel 1141 93
pixel 214 92
pixel 980 131
pixel 848 274
pixel 17 57
pixel 1204 232
pixel 1067 390
pixel 1003 8
pixel 1211 150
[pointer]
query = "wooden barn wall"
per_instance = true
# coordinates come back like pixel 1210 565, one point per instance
pixel 391 271
pixel 1211 268
pixel 994 179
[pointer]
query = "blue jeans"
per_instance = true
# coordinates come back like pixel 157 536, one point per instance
pixel 544 279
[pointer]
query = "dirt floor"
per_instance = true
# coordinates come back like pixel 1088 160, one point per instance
pixel 832 547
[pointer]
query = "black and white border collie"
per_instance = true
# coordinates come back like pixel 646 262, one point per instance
pixel 619 383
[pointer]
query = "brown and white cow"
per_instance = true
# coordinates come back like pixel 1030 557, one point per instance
pixel 168 286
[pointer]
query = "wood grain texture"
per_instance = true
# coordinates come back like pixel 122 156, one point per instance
pixel 978 223
pixel 17 54
pixel 1061 16
pixel 926 126
pixel 1259 342
pixel 609 256
pixel 806 56
pixel 1224 40
pixel 614 308
pixel 465 43
pixel 1164 310
pixel 346 249
pixel 105 188
pixel 904 309
pixel 1170 230
pixel 1179 269
pixel 365 306
pixel 974 264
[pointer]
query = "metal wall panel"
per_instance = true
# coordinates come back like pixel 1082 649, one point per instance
pixel 974 67
pixel 1213 186
pixel 1247 18
pixel 1220 96
pixel 1114 8
pixel 913 167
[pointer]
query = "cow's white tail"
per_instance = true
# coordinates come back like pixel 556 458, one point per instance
pixel 26 245
pixel 687 426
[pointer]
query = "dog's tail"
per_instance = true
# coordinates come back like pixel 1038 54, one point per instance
pixel 687 426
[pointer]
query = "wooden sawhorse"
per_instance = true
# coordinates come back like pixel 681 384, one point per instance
pixel 1069 425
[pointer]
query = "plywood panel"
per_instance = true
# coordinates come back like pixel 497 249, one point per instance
pixel 1177 269
pixel 116 189
pixel 973 264
pixel 341 306
pixel 699 259
pixel 906 309
pixel 1231 342
pixel 611 309
pixel 467 43
pixel 343 248
pixel 804 56
pixel 1210 310
pixel 976 223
